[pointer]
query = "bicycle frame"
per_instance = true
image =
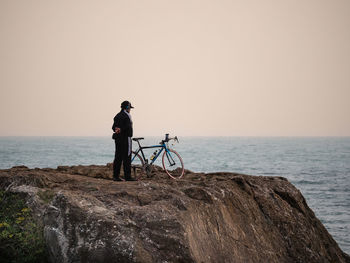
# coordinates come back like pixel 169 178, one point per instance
pixel 140 149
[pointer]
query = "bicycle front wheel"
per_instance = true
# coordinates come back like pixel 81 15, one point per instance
pixel 173 164
pixel 137 166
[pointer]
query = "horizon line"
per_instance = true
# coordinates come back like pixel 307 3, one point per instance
pixel 262 136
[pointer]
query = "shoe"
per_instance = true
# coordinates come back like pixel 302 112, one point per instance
pixel 130 179
pixel 117 179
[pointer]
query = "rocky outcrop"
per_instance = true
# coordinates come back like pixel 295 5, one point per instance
pixel 216 217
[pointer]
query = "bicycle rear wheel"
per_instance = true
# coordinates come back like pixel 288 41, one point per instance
pixel 173 164
pixel 137 166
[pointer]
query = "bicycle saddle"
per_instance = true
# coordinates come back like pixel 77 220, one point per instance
pixel 137 139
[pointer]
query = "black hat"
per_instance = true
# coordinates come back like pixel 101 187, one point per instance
pixel 126 105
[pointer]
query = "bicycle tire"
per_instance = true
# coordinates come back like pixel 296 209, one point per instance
pixel 175 173
pixel 139 164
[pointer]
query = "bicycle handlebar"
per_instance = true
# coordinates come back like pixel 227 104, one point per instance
pixel 167 139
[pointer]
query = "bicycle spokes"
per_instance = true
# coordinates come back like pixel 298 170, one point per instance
pixel 170 159
pixel 172 164
pixel 137 165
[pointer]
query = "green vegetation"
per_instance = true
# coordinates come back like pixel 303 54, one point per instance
pixel 21 239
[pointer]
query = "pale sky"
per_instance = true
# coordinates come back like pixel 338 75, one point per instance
pixel 208 68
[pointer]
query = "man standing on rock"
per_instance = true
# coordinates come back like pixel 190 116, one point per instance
pixel 122 127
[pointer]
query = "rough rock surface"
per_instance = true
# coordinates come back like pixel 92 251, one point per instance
pixel 217 217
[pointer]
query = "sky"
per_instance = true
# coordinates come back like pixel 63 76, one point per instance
pixel 189 67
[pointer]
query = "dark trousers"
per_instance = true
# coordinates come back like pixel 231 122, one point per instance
pixel 121 156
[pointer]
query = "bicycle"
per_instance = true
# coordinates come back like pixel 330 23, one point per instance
pixel 171 160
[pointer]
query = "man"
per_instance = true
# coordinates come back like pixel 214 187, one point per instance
pixel 122 127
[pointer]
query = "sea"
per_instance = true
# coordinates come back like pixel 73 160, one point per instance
pixel 318 166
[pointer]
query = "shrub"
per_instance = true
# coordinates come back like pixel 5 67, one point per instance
pixel 21 238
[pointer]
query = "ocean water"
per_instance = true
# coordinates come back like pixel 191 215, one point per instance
pixel 318 166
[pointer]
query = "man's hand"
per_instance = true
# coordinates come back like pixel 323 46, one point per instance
pixel 117 130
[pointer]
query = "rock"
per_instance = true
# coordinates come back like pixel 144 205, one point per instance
pixel 217 217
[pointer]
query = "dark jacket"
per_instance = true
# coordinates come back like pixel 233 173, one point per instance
pixel 122 121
